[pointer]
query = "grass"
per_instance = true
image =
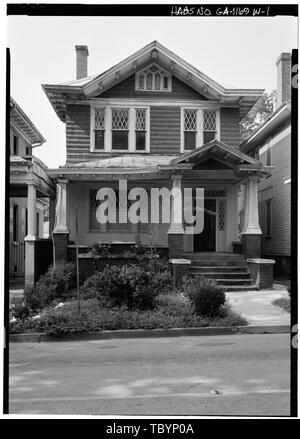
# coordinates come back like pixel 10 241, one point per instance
pixel 284 303
pixel 172 310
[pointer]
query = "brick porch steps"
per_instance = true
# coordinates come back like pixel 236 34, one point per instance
pixel 229 269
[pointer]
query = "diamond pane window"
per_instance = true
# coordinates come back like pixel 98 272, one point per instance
pixel 120 119
pixel 209 120
pixel 140 129
pixel 190 129
pixel 99 127
pixel 99 118
pixel 140 119
pixel 190 120
pixel 221 215
pixel 209 125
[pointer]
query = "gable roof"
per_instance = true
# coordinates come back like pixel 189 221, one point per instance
pixel 154 52
pixel 278 119
pixel 218 150
pixel 21 121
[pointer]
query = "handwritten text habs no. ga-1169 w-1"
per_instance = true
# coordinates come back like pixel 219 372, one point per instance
pixel 216 11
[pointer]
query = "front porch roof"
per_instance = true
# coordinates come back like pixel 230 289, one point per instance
pixel 233 161
pixel 218 150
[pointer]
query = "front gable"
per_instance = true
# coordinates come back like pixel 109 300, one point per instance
pixel 126 89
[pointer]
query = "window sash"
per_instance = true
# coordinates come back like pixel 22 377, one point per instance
pixel 119 132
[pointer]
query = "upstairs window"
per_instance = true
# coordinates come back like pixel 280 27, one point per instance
pixel 190 129
pixel 209 125
pixel 140 129
pixel 153 78
pixel 198 127
pixel 99 128
pixel 120 128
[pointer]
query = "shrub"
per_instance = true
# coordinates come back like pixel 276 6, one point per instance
pixel 206 295
pixel 128 285
pixel 101 249
pixel 21 311
pixel 55 283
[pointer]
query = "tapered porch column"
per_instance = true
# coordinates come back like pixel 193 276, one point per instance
pixel 176 230
pixel 51 215
pixel 61 232
pixel 31 236
pixel 251 234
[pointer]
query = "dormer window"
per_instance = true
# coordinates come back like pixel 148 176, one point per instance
pixel 153 78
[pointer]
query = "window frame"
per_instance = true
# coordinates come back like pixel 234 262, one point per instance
pixel 108 128
pixel 200 125
pixel 163 73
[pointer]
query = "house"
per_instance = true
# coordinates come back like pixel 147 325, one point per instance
pixel 30 190
pixel 155 121
pixel 271 144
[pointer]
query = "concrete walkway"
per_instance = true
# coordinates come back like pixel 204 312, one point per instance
pixel 257 308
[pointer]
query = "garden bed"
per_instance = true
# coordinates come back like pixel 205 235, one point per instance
pixel 120 298
pixel 171 312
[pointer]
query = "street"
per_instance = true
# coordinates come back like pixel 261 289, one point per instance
pixel 200 375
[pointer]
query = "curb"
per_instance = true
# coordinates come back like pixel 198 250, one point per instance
pixel 151 333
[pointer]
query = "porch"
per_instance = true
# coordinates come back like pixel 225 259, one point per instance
pixel 31 190
pixel 228 181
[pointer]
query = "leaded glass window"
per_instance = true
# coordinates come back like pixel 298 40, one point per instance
pixel 190 129
pixel 120 128
pixel 99 127
pixel 140 129
pixel 209 125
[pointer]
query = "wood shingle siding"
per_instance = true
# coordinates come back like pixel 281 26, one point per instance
pixel 230 129
pixel 78 133
pixel 165 130
pixel 126 89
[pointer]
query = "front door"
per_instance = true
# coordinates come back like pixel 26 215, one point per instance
pixel 206 241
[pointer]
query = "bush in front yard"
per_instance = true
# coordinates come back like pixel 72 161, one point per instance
pixel 206 295
pixel 55 283
pixel 128 285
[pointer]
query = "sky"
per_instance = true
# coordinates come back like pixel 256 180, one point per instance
pixel 238 51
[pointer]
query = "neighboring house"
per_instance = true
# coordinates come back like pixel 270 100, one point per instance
pixel 271 144
pixel 30 188
pixel 155 121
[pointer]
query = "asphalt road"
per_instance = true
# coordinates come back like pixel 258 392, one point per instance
pixel 207 375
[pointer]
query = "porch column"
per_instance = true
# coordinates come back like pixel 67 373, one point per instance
pixel 243 207
pixel 61 233
pixel 31 212
pixel 176 230
pixel 51 215
pixel 251 234
pixel 30 239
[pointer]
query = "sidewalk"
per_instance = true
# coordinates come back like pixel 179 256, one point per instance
pixel 257 308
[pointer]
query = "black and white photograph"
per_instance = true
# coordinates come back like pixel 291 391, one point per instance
pixel 151 223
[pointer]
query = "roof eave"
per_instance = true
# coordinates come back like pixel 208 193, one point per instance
pixel 279 117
